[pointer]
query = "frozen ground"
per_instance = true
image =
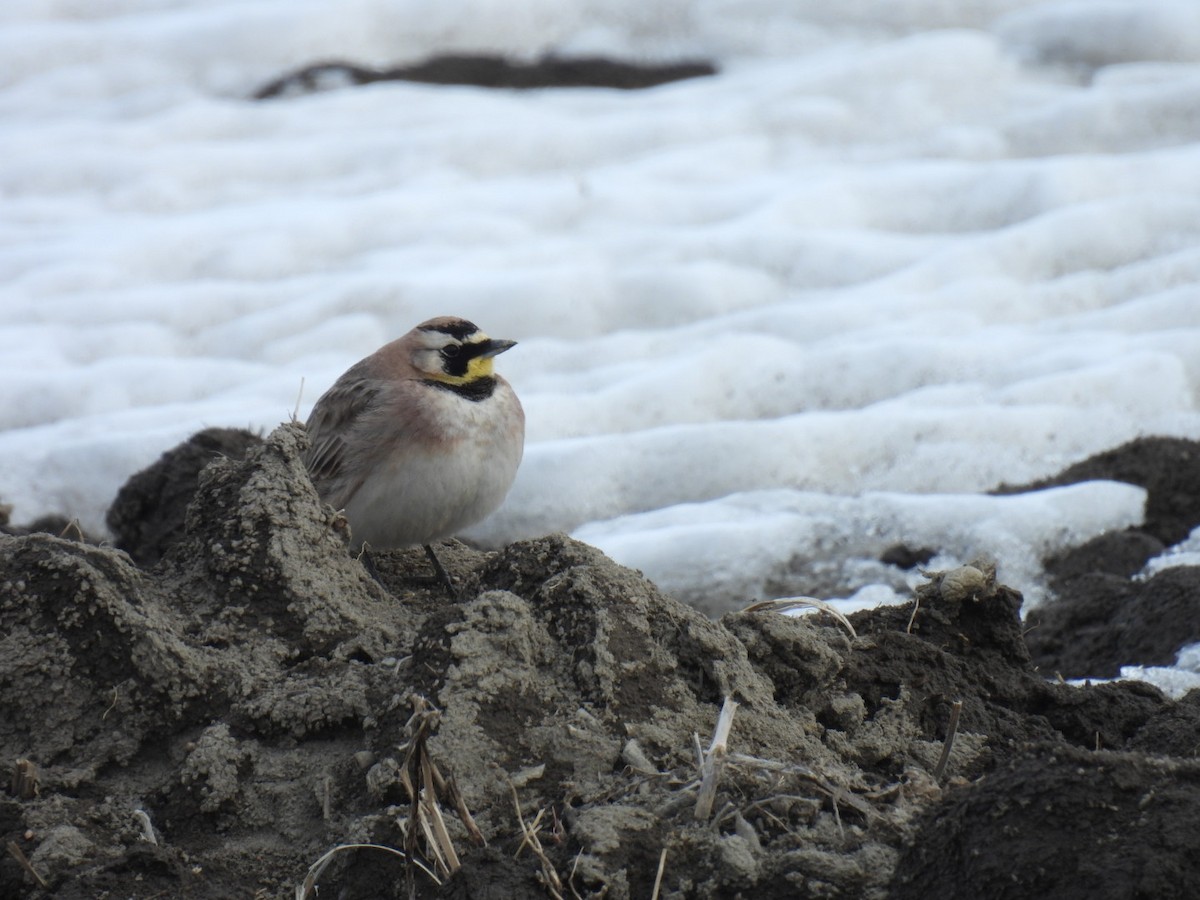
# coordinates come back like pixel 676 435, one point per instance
pixel 770 323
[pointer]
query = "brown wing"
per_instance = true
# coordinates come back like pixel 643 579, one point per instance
pixel 331 421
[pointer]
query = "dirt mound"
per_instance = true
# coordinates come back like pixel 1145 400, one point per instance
pixel 490 72
pixel 1057 822
pixel 214 725
pixel 1103 615
pixel 1167 467
pixel 150 510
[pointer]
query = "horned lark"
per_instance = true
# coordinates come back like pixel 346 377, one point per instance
pixel 419 440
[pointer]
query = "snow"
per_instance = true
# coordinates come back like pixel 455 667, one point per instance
pixel 723 546
pixel 1185 553
pixel 1174 682
pixel 894 256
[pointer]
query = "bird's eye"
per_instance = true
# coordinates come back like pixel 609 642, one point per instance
pixel 450 351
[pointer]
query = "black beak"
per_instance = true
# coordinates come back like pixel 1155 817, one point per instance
pixel 485 349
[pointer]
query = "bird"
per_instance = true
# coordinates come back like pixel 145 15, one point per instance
pixel 419 440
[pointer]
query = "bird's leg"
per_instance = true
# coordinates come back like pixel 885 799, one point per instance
pixel 368 562
pixel 442 575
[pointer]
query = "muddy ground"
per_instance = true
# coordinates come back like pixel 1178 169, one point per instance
pixel 211 712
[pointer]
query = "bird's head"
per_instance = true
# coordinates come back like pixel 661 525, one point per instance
pixel 454 351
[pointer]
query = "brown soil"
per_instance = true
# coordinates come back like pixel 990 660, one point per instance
pixel 490 72
pixel 211 726
pixel 1103 616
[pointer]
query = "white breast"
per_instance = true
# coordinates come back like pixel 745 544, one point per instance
pixel 433 491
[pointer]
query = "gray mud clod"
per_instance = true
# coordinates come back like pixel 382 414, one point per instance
pixel 255 716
